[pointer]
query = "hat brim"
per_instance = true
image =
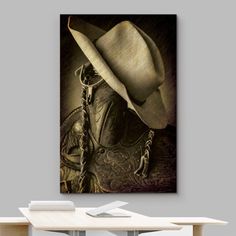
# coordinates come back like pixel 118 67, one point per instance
pixel 152 112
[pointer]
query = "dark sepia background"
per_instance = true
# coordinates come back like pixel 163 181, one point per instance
pixel 162 30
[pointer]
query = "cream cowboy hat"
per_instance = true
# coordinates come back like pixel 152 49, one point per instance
pixel 130 62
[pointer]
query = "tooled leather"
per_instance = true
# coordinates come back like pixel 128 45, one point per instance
pixel 116 143
pixel 112 168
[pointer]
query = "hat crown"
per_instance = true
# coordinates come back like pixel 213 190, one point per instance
pixel 132 69
pixel 133 58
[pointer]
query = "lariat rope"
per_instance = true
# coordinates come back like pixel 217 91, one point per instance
pixel 83 179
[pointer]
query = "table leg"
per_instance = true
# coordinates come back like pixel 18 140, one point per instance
pixel 132 233
pixel 77 233
pixel 30 230
pixel 197 230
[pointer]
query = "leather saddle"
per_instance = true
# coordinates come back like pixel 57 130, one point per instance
pixel 117 142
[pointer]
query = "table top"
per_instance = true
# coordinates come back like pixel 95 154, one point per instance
pixel 13 221
pixel 79 220
pixel 194 221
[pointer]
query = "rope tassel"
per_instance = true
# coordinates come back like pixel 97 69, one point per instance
pixel 85 73
pixel 144 160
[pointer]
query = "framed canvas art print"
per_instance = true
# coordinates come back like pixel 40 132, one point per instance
pixel 118 103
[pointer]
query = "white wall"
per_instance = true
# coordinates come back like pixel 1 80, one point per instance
pixel 29 106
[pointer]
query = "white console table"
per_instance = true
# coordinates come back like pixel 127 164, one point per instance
pixel 77 222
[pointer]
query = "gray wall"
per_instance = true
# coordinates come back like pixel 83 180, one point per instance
pixel 29 105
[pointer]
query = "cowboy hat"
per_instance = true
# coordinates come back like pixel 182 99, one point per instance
pixel 130 62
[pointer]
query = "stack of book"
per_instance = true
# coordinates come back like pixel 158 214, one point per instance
pixel 51 206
